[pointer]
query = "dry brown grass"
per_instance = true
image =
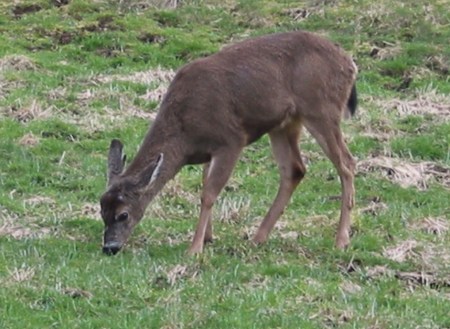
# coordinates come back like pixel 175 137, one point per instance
pixel 153 77
pixel 376 116
pixel 86 115
pixel 426 103
pixel 233 209
pixel 374 208
pixel 29 140
pixel 434 225
pixel 402 251
pixel 20 275
pixel 30 111
pixel 24 227
pixel 13 63
pixel 423 278
pixel 158 80
pixel 76 293
pixel 427 255
pixel 91 210
pixel 16 63
pixel 429 258
pixel 378 271
pixel 144 4
pixel 388 51
pixel 21 232
pixel 405 173
pixel 37 200
pixel 171 276
pixel 349 287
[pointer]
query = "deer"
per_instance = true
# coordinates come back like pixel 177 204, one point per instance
pixel 215 106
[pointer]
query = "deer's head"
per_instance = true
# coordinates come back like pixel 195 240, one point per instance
pixel 123 204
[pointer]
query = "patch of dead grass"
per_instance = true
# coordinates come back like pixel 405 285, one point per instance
pixel 38 200
pixel 16 63
pixel 91 210
pixel 233 210
pixel 32 111
pixel 334 318
pixel 145 4
pixel 402 251
pixel 406 174
pixel 372 125
pixel 433 225
pixel 20 232
pixel 19 228
pixel 349 287
pixel 374 208
pixel 29 140
pixel 13 63
pixel 429 259
pixel 155 95
pixel 434 257
pixel 302 13
pixel 175 274
pixel 20 275
pixel 154 76
pixel 280 229
pixel 427 103
pixel 378 271
pixel 76 293
pixel 438 64
pixel 423 278
pixel 412 278
pixel 158 80
pixel 257 282
pixel 93 119
pixel 387 51
pixel 428 256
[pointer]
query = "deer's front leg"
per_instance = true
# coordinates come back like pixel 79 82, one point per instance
pixel 214 179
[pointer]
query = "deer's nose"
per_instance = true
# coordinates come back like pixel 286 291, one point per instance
pixel 111 248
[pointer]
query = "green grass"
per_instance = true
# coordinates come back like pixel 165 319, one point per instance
pixel 58 115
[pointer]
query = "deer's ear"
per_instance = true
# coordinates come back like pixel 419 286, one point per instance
pixel 116 160
pixel 152 172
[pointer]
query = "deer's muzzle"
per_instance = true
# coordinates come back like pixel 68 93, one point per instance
pixel 111 248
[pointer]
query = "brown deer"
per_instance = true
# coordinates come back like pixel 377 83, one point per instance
pixel 215 106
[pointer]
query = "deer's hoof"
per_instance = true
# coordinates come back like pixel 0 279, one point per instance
pixel 194 250
pixel 342 243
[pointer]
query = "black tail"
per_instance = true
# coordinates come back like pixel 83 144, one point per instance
pixel 352 102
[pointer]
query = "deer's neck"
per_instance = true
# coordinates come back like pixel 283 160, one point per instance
pixel 158 140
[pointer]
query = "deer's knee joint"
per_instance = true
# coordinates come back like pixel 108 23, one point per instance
pixel 298 172
pixel 207 200
pixel 351 202
pixel 351 164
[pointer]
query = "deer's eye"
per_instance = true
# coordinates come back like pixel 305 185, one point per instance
pixel 122 217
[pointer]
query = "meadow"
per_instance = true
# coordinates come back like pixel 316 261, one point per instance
pixel 75 74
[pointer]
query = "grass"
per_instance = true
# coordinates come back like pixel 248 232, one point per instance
pixel 75 74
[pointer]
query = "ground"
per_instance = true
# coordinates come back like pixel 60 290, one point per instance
pixel 75 73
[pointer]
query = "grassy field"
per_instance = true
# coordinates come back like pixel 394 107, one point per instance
pixel 76 73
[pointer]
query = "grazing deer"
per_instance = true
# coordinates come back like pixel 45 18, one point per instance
pixel 215 106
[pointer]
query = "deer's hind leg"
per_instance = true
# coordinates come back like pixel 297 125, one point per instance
pixel 330 138
pixel 287 155
pixel 208 232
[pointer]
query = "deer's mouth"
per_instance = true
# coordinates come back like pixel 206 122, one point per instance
pixel 111 248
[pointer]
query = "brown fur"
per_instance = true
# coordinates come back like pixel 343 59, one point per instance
pixel 217 105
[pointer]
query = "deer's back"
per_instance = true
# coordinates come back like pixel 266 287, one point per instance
pixel 251 87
